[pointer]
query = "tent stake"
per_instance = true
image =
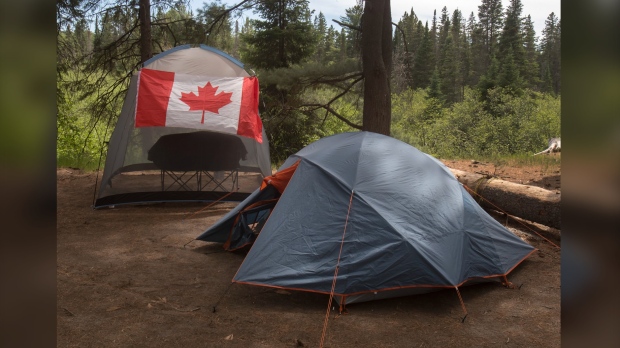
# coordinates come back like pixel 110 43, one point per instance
pixel 221 297
pixel 463 320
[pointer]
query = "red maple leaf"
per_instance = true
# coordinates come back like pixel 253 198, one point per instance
pixel 206 100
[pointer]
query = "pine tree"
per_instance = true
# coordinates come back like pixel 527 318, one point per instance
pixel 447 64
pixel 550 57
pixel 436 102
pixel 477 50
pixel 332 46
pixel 422 66
pixel 509 77
pixel 320 31
pixel 246 29
pixel 434 39
pixel 408 38
pixel 461 56
pixel 434 89
pixel 417 35
pixel 444 28
pixel 530 71
pixel 235 51
pixel 353 18
pixel 489 80
pixel 557 76
pixel 490 14
pixel 511 48
pixel 83 38
pixel 342 40
pixel 448 71
pixel 282 37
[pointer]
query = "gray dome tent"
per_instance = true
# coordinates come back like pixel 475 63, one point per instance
pixel 167 163
pixel 400 221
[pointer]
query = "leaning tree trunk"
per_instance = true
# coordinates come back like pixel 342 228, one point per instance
pixel 144 12
pixel 376 65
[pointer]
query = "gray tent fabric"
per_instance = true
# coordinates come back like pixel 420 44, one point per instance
pixel 133 168
pixel 410 225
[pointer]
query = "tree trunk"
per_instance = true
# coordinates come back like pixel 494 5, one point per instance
pixel 144 12
pixel 527 202
pixel 376 65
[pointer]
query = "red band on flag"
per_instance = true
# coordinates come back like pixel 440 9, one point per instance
pixel 154 88
pixel 250 124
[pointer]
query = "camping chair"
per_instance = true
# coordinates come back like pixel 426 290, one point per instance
pixel 181 180
pixel 212 177
pixel 178 178
pixel 185 156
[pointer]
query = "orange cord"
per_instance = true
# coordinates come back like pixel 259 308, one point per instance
pixel 462 303
pixel 208 206
pixel 499 209
pixel 331 294
pixel 212 203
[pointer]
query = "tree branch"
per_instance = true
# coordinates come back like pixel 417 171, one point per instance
pixel 352 27
pixel 328 108
pixel 224 13
pixel 333 112
pixel 404 37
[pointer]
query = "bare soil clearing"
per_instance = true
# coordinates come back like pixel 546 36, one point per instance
pixel 125 278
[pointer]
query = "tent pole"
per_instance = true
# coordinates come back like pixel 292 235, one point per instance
pixel 106 143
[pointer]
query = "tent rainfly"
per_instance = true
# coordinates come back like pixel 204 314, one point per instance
pixel 189 130
pixel 393 220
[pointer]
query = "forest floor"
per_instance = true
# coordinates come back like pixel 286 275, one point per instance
pixel 125 277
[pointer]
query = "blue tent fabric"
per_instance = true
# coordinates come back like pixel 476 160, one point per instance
pixel 229 229
pixel 409 224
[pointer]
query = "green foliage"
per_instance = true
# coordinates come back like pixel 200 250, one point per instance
pixel 409 116
pixel 515 125
pixel 80 139
pixel 290 123
pixel 348 107
pixel 461 89
pixel 422 68
pixel 550 56
pixel 220 34
pixel 282 37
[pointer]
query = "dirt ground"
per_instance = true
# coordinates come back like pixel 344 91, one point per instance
pixel 125 277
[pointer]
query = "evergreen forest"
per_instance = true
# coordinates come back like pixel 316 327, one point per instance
pixel 464 85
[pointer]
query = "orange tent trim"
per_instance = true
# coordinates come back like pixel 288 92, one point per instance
pixel 280 179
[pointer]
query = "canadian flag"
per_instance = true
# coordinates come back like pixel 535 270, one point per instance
pixel 220 104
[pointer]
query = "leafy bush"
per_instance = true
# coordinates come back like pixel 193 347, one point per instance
pixel 81 137
pixel 506 125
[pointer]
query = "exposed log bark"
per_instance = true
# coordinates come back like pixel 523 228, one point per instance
pixel 550 233
pixel 527 202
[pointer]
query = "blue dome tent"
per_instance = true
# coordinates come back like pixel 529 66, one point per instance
pixel 391 220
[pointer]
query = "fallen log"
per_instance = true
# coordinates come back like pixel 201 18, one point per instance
pixel 526 202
